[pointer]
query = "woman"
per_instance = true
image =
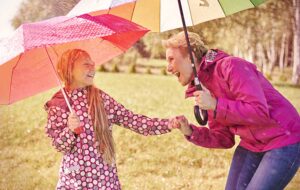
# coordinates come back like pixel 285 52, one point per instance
pixel 85 135
pixel 240 101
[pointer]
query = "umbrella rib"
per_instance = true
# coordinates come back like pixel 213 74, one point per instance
pixel 133 10
pixel 54 50
pixel 159 20
pixel 222 7
pixel 109 7
pixel 11 77
pixel 188 2
pixel 252 3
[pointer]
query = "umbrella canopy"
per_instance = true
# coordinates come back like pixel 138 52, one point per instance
pixel 28 57
pixel 163 15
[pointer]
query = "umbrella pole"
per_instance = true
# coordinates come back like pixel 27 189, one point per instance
pixel 59 82
pixel 196 79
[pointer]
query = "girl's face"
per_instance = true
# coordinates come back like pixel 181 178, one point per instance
pixel 83 72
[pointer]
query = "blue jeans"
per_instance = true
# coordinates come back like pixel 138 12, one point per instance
pixel 271 170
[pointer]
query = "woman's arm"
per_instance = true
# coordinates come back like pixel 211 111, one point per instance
pixel 138 123
pixel 216 136
pixel 249 106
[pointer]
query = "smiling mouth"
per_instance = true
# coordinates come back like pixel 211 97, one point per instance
pixel 91 75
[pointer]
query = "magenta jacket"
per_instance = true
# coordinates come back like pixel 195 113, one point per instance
pixel 248 106
pixel 82 166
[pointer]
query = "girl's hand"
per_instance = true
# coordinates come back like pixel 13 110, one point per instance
pixel 173 123
pixel 73 121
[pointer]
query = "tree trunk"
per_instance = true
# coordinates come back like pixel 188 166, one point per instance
pixel 283 53
pixel 251 54
pixel 271 53
pixel 289 51
pixel 261 58
pixel 296 65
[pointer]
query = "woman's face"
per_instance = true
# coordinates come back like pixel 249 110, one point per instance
pixel 83 72
pixel 179 65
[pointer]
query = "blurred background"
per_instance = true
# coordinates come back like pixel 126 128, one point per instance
pixel 268 36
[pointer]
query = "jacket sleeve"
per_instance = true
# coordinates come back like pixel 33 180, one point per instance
pixel 249 105
pixel 216 136
pixel 140 124
pixel 63 139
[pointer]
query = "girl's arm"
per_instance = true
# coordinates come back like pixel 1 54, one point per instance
pixel 138 123
pixel 63 139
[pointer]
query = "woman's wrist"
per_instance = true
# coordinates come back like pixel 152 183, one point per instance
pixel 188 131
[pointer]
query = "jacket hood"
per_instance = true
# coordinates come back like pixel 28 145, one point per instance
pixel 57 100
pixel 209 60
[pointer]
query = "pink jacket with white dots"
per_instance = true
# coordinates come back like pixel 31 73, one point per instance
pixel 82 166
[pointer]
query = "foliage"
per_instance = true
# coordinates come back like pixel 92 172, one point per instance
pixel 255 34
pixel 36 10
pixel 163 71
pixel 260 25
pixel 132 68
pixel 115 68
pixel 102 68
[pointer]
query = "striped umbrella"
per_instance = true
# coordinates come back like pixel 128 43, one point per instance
pixel 163 15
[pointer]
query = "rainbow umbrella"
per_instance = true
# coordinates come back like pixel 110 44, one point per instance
pixel 163 15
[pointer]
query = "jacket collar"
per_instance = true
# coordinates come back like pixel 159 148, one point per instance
pixel 58 99
pixel 206 63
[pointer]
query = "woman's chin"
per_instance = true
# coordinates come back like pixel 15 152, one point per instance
pixel 183 82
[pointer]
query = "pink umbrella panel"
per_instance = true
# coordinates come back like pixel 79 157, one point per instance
pixel 29 56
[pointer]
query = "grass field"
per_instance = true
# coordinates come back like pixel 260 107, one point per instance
pixel 167 162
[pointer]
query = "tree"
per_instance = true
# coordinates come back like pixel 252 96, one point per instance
pixel 296 29
pixel 36 10
pixel 262 35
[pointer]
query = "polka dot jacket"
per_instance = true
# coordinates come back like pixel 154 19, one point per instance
pixel 82 166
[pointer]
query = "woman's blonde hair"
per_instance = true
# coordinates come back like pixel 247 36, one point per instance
pixel 178 41
pixel 102 133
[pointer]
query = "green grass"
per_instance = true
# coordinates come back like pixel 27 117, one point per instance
pixel 167 162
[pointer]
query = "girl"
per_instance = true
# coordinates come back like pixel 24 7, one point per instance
pixel 84 134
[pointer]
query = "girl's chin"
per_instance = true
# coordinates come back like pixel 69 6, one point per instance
pixel 89 82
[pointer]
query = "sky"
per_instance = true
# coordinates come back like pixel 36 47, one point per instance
pixel 8 9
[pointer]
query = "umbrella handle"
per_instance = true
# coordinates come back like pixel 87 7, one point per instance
pixel 200 120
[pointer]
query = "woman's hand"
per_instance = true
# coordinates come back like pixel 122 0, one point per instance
pixel 73 121
pixel 205 100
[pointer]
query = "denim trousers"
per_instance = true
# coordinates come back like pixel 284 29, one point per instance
pixel 270 170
